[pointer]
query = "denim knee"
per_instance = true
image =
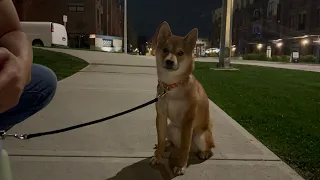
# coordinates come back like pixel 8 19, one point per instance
pixel 36 95
pixel 44 81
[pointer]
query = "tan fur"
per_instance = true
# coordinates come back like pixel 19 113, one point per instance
pixel 186 106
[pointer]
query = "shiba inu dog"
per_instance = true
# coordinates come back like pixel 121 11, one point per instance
pixel 185 105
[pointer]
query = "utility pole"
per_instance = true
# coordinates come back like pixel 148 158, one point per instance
pixel 125 36
pixel 226 34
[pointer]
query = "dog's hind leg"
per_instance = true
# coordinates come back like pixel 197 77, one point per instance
pixel 204 142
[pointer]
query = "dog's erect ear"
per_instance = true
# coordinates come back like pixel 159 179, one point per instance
pixel 154 38
pixel 191 38
pixel 164 33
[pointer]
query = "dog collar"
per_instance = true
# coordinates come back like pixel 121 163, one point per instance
pixel 169 87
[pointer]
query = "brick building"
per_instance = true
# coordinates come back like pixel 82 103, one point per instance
pixel 300 26
pixel 113 15
pixel 255 23
pixel 283 25
pixel 85 17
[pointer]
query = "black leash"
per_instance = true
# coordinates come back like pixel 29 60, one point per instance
pixel 3 134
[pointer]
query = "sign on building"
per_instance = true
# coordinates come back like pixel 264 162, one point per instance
pixel 107 43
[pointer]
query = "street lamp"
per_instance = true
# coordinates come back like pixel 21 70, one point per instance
pixel 279 44
pixel 305 42
pixel 125 36
pixel 226 33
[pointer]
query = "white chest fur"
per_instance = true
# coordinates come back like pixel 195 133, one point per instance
pixel 177 110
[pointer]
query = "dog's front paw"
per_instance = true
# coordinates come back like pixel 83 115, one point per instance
pixel 204 155
pixel 155 161
pixel 178 171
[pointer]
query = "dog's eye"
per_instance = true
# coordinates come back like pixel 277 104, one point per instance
pixel 180 53
pixel 165 50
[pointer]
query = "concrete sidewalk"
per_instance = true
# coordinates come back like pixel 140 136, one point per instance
pixel 281 65
pixel 119 149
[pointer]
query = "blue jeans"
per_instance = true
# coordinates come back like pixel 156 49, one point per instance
pixel 36 95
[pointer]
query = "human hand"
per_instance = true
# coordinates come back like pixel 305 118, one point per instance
pixel 13 79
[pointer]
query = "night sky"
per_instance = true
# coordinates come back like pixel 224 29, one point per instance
pixel 182 15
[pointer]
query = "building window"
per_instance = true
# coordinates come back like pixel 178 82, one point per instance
pixel 76 7
pixel 244 3
pixel 302 3
pixel 237 6
pixel 101 19
pixel 291 23
pixel 80 8
pixel 256 31
pixel 98 17
pixel 256 14
pixel 271 9
pixel 72 8
pixel 302 21
pixel 318 17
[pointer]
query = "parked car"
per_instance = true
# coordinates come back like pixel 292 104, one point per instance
pixel 45 34
pixel 212 50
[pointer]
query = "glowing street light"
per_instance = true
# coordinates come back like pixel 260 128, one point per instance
pixel 305 42
pixel 279 44
pixel 259 46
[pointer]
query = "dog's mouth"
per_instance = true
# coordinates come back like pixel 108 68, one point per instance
pixel 170 68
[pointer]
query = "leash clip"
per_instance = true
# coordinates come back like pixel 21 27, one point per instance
pixel 162 95
pixel 4 134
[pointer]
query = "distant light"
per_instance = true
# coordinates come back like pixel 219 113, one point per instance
pixel 279 44
pixel 317 41
pixel 234 49
pixel 259 46
pixel 92 36
pixel 305 42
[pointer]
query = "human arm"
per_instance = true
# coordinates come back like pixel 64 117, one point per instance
pixel 15 57
pixel 12 36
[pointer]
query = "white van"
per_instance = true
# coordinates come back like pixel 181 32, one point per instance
pixel 45 33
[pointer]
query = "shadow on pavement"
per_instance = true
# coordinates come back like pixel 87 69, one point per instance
pixel 142 170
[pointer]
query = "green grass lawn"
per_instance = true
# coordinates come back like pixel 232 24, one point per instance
pixel 279 107
pixel 62 64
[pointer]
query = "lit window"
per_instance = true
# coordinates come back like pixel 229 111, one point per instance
pixel 72 8
pixel 76 7
pixel 80 8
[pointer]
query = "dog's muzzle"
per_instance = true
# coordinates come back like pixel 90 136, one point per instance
pixel 169 64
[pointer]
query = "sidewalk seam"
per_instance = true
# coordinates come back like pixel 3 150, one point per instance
pixel 137 157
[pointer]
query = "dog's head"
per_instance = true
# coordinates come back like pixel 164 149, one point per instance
pixel 174 54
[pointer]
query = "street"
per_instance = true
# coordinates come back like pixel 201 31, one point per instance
pixel 119 149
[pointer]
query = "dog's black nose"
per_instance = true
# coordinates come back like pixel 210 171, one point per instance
pixel 169 63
